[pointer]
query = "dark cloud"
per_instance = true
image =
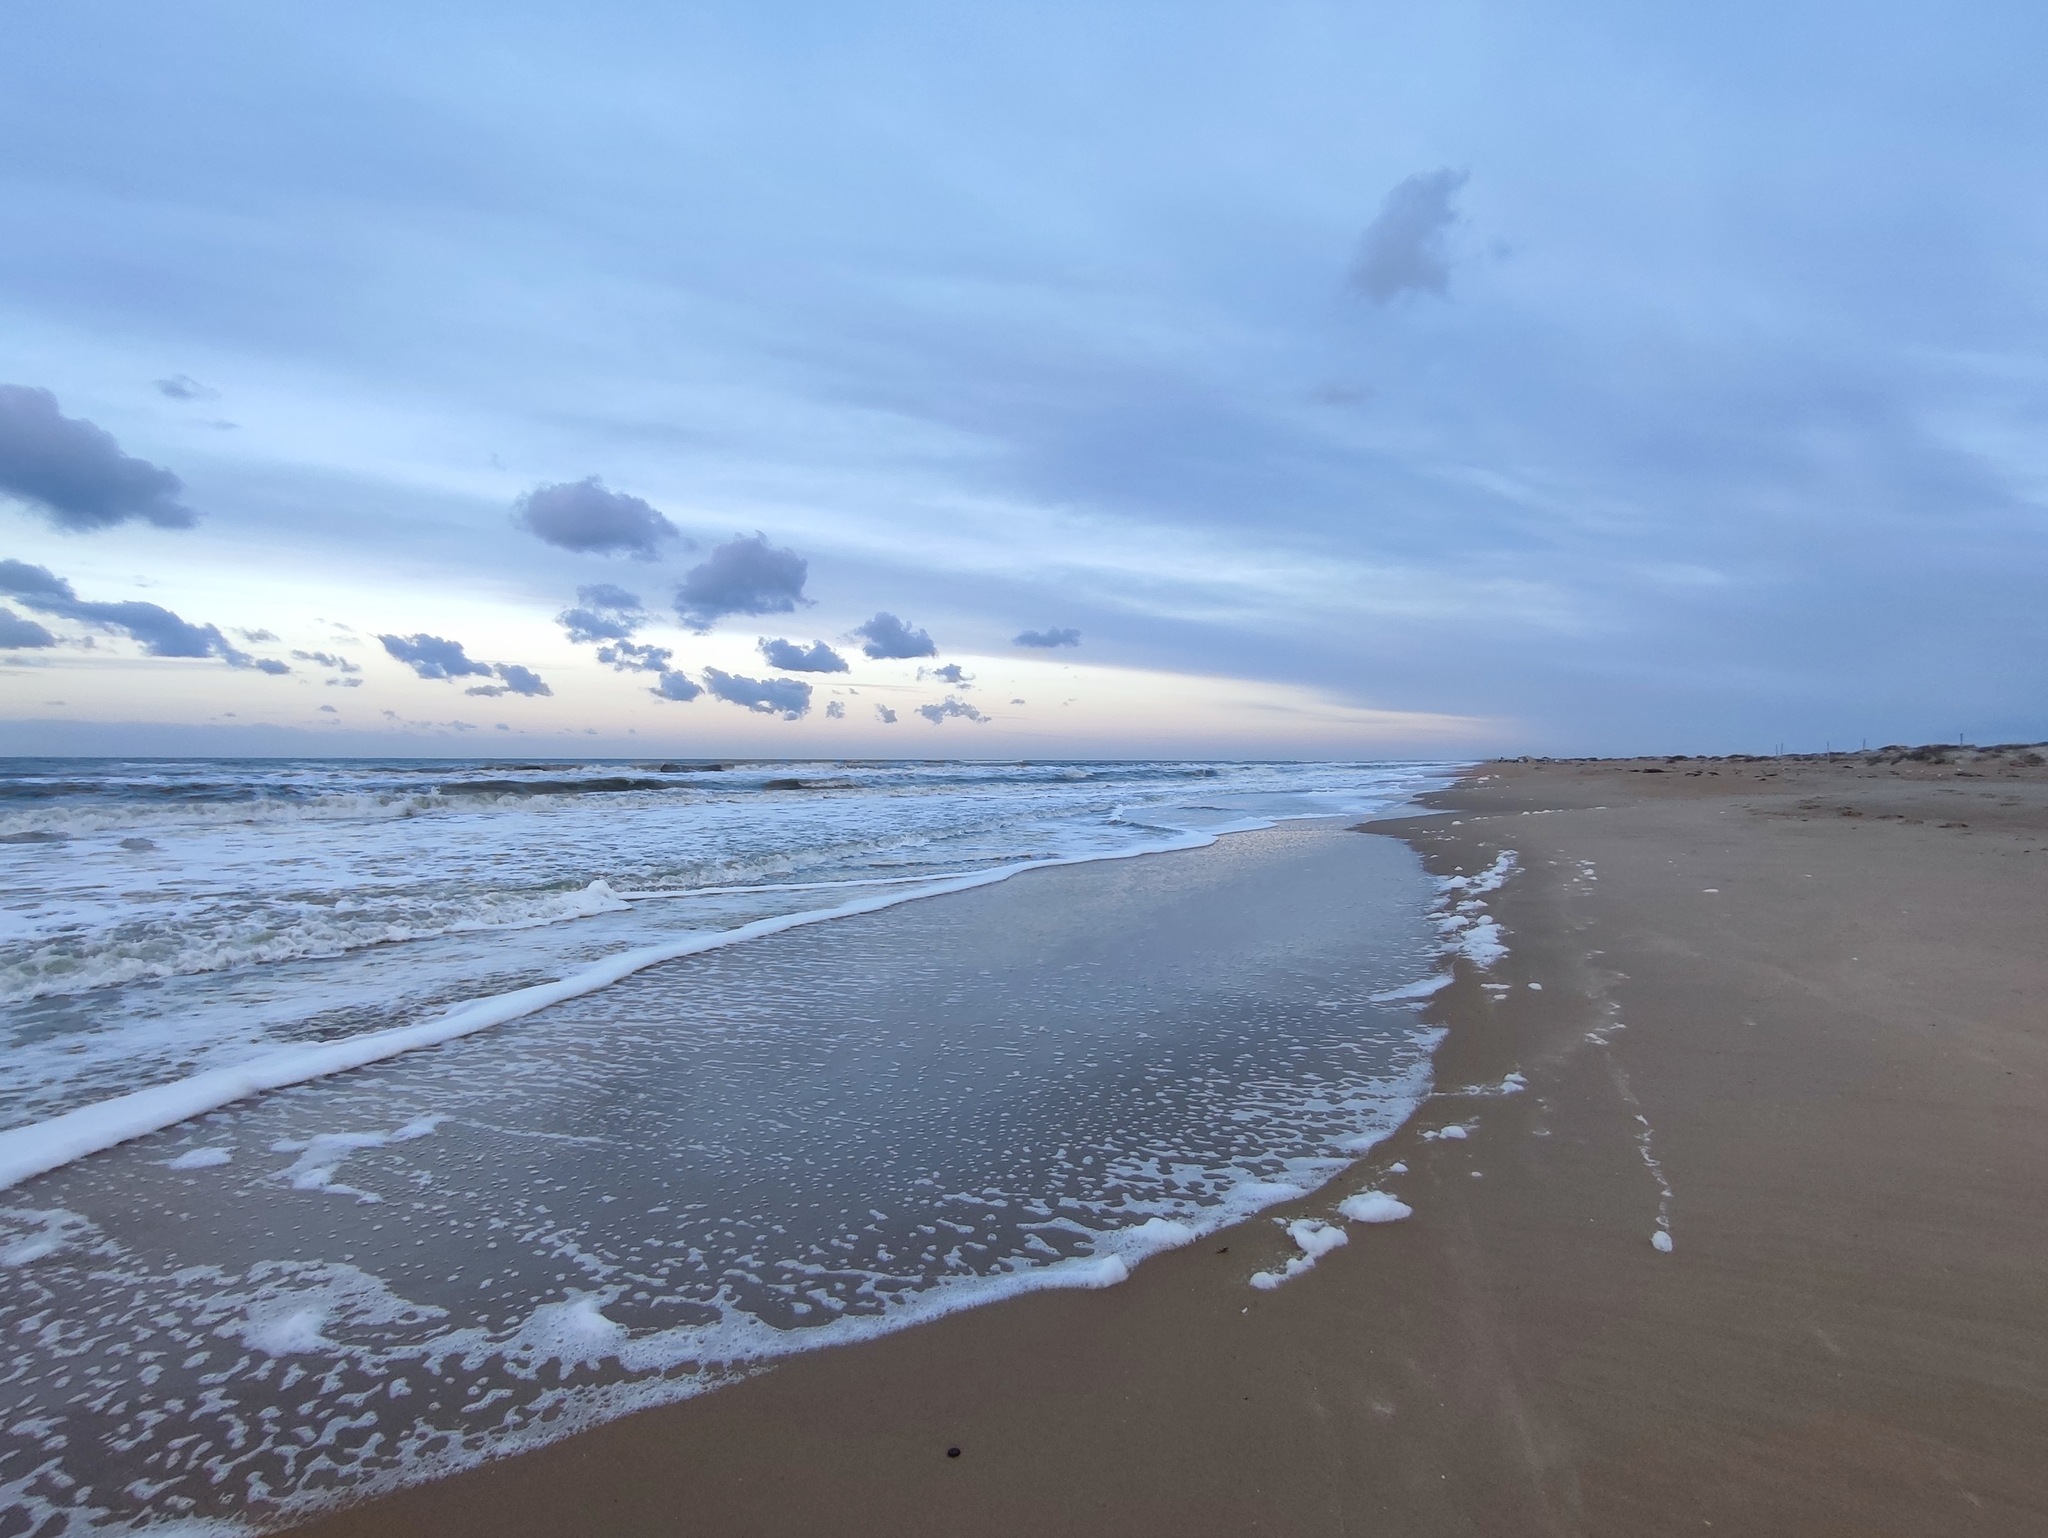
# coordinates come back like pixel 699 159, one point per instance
pixel 792 658
pixel 517 680
pixel 887 636
pixel 345 683
pixel 885 715
pixel 183 387
pixel 742 576
pixel 522 680
pixel 1067 636
pixel 676 686
pixel 633 657
pixel 835 710
pixel 788 698
pixel 951 707
pixel 1403 249
pixel 74 473
pixel 160 632
pixel 951 673
pixel 603 613
pixel 328 660
pixel 27 582
pixel 431 656
pixel 256 635
pixel 588 517
pixel 17 633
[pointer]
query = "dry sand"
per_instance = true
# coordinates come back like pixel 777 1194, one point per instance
pixel 1812 992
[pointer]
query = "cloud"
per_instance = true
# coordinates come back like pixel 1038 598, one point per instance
pixel 951 707
pixel 329 710
pixel 161 633
pixel 633 657
pixel 17 633
pixel 676 686
pixel 517 680
pixel 603 613
pixel 951 673
pixel 885 715
pixel 792 658
pixel 788 698
pixel 328 660
pixel 1067 636
pixel 587 517
pixel 74 473
pixel 887 636
pixel 29 583
pixel 835 710
pixel 1016 702
pixel 431 656
pixel 1403 249
pixel 256 635
pixel 742 576
pixel 183 387
pixel 345 683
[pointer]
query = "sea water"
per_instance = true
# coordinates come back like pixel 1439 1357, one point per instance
pixel 652 1184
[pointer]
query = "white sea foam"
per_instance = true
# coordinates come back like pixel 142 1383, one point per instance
pixel 1469 930
pixel 1315 1239
pixel 200 1159
pixel 1424 988
pixel 29 1234
pixel 1374 1207
pixel 319 1157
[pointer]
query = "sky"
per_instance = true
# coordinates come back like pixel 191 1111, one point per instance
pixel 1275 380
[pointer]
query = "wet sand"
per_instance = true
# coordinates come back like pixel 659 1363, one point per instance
pixel 1811 993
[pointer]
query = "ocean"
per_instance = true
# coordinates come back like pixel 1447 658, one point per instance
pixel 364 1119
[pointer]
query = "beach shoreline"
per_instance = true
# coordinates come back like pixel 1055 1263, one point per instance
pixel 1787 1008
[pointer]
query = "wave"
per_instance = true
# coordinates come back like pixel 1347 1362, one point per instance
pixel 169 949
pixel 46 1145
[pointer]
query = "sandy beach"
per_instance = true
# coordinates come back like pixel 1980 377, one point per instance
pixel 1792 1008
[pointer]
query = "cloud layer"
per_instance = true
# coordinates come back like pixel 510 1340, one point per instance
pixel 74 473
pixel 1732 435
